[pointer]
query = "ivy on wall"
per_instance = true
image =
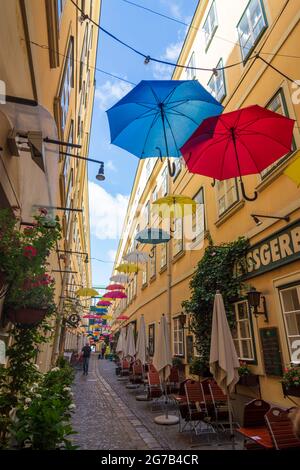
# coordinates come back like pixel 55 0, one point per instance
pixel 221 269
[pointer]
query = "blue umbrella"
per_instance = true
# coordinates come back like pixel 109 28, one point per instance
pixel 153 236
pixel 157 117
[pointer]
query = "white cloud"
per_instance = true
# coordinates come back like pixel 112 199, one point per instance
pixel 107 212
pixel 110 165
pixel 111 254
pixel 110 92
pixel 172 51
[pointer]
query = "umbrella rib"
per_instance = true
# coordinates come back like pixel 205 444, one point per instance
pixel 175 112
pixel 242 143
pixel 149 130
pixel 223 159
pixel 261 133
pixel 215 142
pixel 172 134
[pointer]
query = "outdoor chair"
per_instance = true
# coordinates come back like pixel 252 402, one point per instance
pixel 125 366
pixel 196 407
pixel 137 373
pixel 281 429
pixel 254 418
pixel 173 381
pixel 154 388
pixel 220 408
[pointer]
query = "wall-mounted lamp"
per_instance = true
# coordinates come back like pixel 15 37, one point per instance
pixel 256 218
pixel 182 320
pixel 254 298
pixel 152 252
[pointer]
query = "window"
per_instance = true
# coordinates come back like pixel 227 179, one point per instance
pixel 146 214
pixel 67 157
pixel 210 25
pixel 278 105
pixel 69 196
pixel 227 194
pixel 83 55
pixel 178 338
pixel 145 275
pixel 67 84
pixel 251 26
pixel 191 73
pixel 60 6
pixel 290 302
pixel 163 255
pixel 153 263
pixel 178 166
pixel 154 195
pixel 178 236
pixel 199 215
pixel 148 168
pixel 217 83
pixel 151 339
pixel 134 286
pixel 80 117
pixel 165 181
pixel 242 336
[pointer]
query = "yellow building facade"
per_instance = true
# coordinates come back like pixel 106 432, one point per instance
pixel 47 73
pixel 222 34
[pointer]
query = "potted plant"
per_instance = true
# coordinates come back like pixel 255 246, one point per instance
pixel 246 377
pixel 291 381
pixel 200 367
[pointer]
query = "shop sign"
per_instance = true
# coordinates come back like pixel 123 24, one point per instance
pixel 279 249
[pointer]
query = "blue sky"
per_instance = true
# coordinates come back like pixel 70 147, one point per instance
pixel 152 35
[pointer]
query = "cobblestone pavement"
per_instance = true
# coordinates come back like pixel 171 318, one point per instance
pixel 109 417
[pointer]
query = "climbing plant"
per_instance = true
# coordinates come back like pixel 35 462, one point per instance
pixel 221 268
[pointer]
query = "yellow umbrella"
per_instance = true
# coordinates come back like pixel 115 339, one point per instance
pixel 127 268
pixel 175 204
pixel 293 170
pixel 107 317
pixel 86 292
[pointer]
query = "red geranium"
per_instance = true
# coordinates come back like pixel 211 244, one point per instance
pixel 29 251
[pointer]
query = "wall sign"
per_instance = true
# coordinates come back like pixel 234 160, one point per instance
pixel 271 351
pixel 279 249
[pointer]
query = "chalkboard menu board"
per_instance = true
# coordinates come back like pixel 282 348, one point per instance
pixel 271 351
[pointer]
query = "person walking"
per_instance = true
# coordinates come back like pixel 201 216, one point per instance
pixel 103 350
pixel 86 353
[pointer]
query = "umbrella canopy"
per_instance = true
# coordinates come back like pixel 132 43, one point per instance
pixel 127 268
pixel 115 287
pixel 116 294
pixel 223 361
pixel 175 204
pixel 157 117
pixel 241 142
pixel 136 257
pixel 123 278
pixel 130 343
pixel 122 317
pixel 162 359
pixel 120 348
pixel 103 303
pixel 141 344
pixel 86 292
pixel 153 236
pixel 293 171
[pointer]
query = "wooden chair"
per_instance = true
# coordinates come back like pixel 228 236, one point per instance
pixel 125 365
pixel 281 429
pixel 154 388
pixel 220 407
pixel 137 373
pixel 173 381
pixel 196 405
pixel 254 417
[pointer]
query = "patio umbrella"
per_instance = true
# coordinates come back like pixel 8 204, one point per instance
pixel 162 362
pixel 157 117
pixel 141 344
pixel 238 143
pixel 86 292
pixel 119 278
pixel 103 303
pixel 130 343
pixel 293 171
pixel 115 287
pixel 120 348
pixel 136 257
pixel 223 361
pixel 117 294
pixel 127 268
pixel 153 236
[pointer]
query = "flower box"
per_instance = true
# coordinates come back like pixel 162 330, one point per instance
pixel 248 380
pixel 290 390
pixel 27 316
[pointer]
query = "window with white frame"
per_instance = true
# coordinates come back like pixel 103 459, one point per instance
pixel 210 25
pixel 134 286
pixel 68 150
pixel 84 51
pixel 145 274
pixel 60 6
pixel 151 339
pixel 242 335
pixel 146 214
pixel 178 236
pixel 178 166
pixel 69 196
pixel 152 262
pixel 278 105
pixel 199 215
pixel 227 194
pixel 154 195
pixel 165 182
pixel 178 338
pixel 216 83
pixel 67 83
pixel 148 168
pixel 251 26
pixel 191 72
pixel 163 255
pixel 290 304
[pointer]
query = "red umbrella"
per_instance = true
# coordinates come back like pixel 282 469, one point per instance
pixel 122 317
pixel 116 294
pixel 114 287
pixel 242 142
pixel 103 303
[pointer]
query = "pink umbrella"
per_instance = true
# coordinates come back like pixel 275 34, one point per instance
pixel 103 303
pixel 114 287
pixel 122 317
pixel 116 295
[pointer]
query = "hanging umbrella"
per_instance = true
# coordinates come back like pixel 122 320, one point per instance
pixel 157 117
pixel 119 278
pixel 242 142
pixel 103 303
pixel 223 361
pixel 152 236
pixel 115 287
pixel 162 362
pixel 120 348
pixel 127 268
pixel 293 171
pixel 122 317
pixel 116 294
pixel 136 257
pixel 175 204
pixel 141 344
pixel 130 344
pixel 86 292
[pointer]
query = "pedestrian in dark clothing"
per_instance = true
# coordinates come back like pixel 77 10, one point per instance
pixel 86 353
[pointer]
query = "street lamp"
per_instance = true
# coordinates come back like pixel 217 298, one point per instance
pixel 254 297
pixel 182 320
pixel 256 218
pixel 100 176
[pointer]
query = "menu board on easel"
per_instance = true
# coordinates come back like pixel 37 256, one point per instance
pixel 271 351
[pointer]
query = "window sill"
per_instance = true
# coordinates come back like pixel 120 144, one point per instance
pixel 178 255
pixel 274 174
pixel 163 269
pixel 153 278
pixel 229 212
pixel 144 286
pixel 211 38
pixel 199 239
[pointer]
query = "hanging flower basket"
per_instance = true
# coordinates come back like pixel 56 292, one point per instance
pixel 290 390
pixel 248 380
pixel 26 317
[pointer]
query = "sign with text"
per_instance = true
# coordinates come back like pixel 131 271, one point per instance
pixel 271 351
pixel 279 249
